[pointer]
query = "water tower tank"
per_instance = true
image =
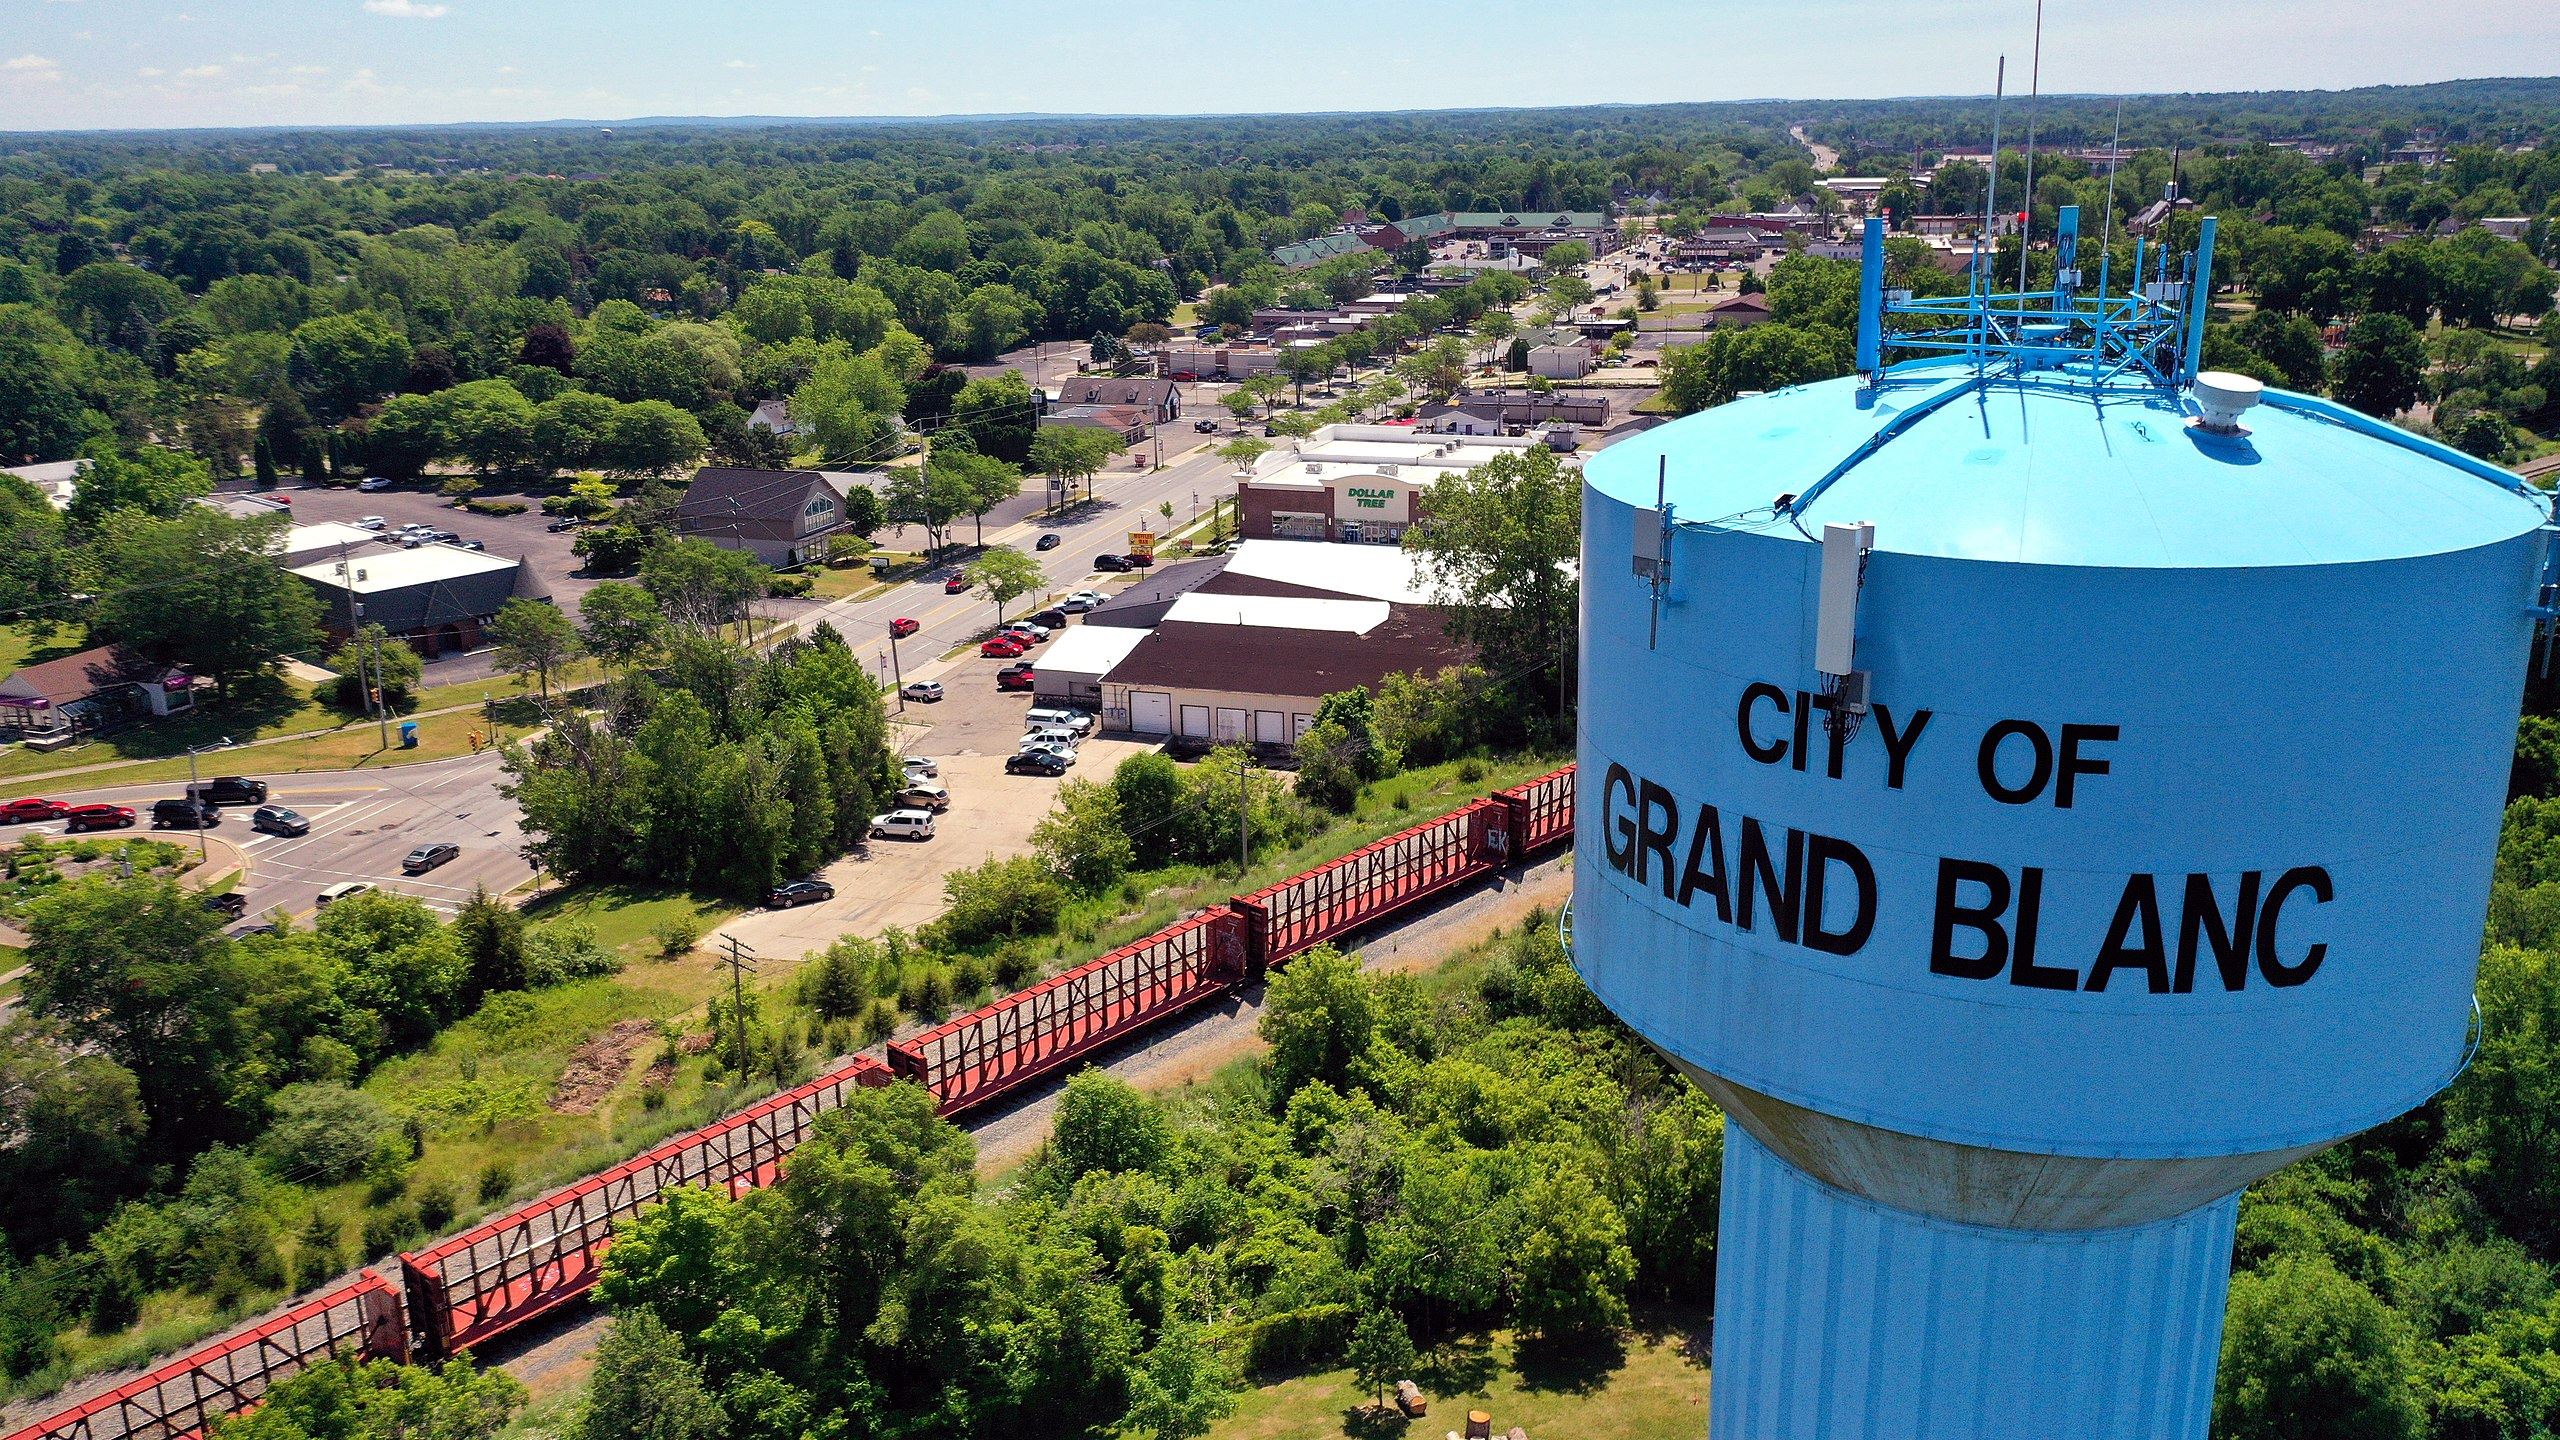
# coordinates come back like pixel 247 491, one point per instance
pixel 2073 801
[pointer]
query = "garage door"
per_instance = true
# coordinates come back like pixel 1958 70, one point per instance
pixel 1150 712
pixel 1230 725
pixel 1270 727
pixel 1195 722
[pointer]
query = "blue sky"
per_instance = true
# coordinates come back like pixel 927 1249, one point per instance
pixel 85 64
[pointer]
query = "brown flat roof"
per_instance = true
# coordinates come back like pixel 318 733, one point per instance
pixel 1267 660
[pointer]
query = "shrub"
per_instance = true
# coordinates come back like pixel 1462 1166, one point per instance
pixel 389 1228
pixel 798 583
pixel 462 487
pixel 495 1181
pixel 494 507
pixel 999 899
pixel 435 1206
pixel 324 1132
pixel 882 1022
pixel 678 936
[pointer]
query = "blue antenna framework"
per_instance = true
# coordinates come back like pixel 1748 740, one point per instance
pixel 2151 332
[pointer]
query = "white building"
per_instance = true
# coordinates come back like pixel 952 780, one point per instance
pixel 1356 482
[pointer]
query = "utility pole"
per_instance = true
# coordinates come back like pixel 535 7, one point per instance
pixel 740 966
pixel 382 705
pixel 897 675
pixel 193 794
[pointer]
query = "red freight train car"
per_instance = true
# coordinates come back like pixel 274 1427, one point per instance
pixel 975 1057
pixel 1542 810
pixel 505 1271
pixel 361 1317
pixel 1374 881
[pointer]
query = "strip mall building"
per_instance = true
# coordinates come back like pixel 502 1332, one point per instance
pixel 1359 483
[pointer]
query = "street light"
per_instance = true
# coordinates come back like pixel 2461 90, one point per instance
pixel 192 752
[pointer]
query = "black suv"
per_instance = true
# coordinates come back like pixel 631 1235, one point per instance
pixel 231 790
pixel 230 905
pixel 1053 617
pixel 1111 564
pixel 188 813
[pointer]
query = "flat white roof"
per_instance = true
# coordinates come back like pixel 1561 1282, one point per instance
pixel 1089 649
pixel 325 534
pixel 398 569
pixel 1375 572
pixel 1280 612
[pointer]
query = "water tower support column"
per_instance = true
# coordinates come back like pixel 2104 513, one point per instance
pixel 1838 1318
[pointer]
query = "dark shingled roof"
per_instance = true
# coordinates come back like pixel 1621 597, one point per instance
pixel 1267 660
pixel 733 492
pixel 76 677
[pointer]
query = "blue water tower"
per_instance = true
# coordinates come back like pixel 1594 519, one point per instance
pixel 2037 787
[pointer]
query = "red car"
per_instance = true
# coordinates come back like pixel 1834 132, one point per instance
pixel 957 584
pixel 97 817
pixel 1016 677
pixel 31 810
pixel 901 628
pixel 1003 647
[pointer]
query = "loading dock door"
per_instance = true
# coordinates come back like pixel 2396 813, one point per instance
pixel 1195 722
pixel 1230 725
pixel 1270 727
pixel 1150 712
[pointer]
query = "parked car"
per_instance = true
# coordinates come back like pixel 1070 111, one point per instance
pixel 956 585
pixel 187 812
pixel 1035 762
pixel 230 905
pixel 1063 755
pixel 1032 628
pixel 475 545
pixel 1112 564
pixel 792 893
pixel 371 483
pixel 1205 427
pixel 903 825
pixel 902 627
pixel 1002 647
pixel 427 857
pixel 565 522
pixel 1048 541
pixel 1017 676
pixel 374 523
pixel 277 820
pixel 97 817
pixel 1059 717
pixel 925 795
pixel 1058 735
pixel 1053 618
pixel 341 891
pixel 232 790
pixel 1136 561
pixel 1083 600
pixel 920 767
pixel 928 690
pixel 31 810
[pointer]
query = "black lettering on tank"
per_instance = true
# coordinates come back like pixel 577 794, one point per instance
pixel 1987 760
pixel 1617 829
pixel 2201 921
pixel 1655 839
pixel 1759 690
pixel 1821 851
pixel 1706 844
pixel 1760 876
pixel 2023 969
pixel 2138 909
pixel 2315 879
pixel 1983 919
pixel 1897 744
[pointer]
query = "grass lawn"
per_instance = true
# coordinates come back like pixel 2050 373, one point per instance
pixel 1185 314
pixel 849 582
pixel 1645 1386
pixel 19 647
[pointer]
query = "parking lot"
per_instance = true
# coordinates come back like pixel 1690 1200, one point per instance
pixel 969 734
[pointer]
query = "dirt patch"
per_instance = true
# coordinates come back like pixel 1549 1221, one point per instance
pixel 596 1067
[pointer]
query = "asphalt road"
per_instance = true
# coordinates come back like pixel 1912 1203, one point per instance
pixel 362 823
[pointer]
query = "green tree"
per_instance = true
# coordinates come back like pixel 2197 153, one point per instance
pixel 701 587
pixel 1006 574
pixel 1182 1387
pixel 380 1400
pixel 204 588
pixel 491 934
pixel 650 437
pixel 1500 555
pixel 534 638
pixel 144 480
pixel 2381 366
pixel 1104 1125
pixel 1318 1017
pixel 1381 1352
pixel 999 414
pixel 1148 788
pixel 619 624
pixel 2307 1351
pixel 1572 1266
pixel 985 481
pixel 1243 451
pixel 1069 453
pixel 341 363
pixel 1081 839
pixel 1341 751
pixel 372 661
pixel 647 1388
